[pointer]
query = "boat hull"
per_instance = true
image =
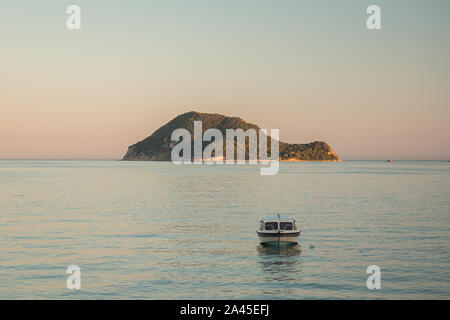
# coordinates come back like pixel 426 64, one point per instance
pixel 276 239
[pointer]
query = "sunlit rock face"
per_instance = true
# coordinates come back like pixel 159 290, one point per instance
pixel 158 146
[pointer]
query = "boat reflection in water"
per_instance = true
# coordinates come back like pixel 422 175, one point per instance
pixel 281 265
pixel 280 251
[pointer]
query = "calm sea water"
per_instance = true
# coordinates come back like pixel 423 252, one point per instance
pixel 157 231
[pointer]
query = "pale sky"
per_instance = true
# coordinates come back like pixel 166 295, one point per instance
pixel 310 68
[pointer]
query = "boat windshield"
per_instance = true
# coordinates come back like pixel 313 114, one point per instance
pixel 271 225
pixel 285 225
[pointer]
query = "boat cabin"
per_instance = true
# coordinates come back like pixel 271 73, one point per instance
pixel 275 223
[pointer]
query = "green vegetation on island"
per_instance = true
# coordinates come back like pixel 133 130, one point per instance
pixel 158 146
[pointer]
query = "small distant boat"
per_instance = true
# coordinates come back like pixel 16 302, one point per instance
pixel 389 160
pixel 278 230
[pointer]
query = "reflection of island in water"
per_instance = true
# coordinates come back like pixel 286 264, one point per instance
pixel 281 265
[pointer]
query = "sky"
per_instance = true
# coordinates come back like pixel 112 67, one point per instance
pixel 309 68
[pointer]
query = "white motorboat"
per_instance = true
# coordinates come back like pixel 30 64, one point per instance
pixel 278 230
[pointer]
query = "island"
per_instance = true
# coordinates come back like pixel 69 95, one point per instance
pixel 158 146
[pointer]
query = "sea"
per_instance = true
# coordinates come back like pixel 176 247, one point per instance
pixel 155 230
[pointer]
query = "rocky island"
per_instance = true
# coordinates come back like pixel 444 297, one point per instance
pixel 158 146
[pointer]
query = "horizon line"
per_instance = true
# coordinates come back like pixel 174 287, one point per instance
pixel 115 159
